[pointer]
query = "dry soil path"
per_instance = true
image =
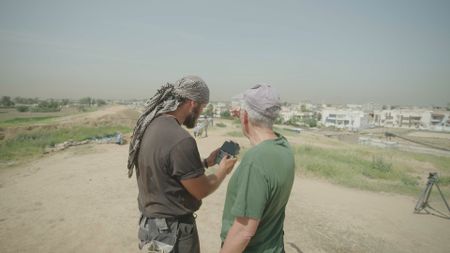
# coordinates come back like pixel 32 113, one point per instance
pixel 80 200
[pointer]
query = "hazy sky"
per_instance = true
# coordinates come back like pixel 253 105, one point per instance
pixel 393 52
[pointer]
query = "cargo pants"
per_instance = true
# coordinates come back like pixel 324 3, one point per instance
pixel 169 235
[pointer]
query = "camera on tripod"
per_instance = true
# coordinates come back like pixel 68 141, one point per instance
pixel 433 177
pixel 422 203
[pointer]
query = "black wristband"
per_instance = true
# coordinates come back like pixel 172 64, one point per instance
pixel 205 163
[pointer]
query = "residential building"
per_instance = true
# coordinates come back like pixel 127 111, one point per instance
pixel 413 119
pixel 344 118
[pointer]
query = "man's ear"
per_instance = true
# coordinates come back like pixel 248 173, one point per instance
pixel 245 117
pixel 188 105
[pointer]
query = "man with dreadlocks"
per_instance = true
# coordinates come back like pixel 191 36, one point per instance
pixel 170 173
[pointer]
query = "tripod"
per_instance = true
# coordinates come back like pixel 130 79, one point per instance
pixel 422 203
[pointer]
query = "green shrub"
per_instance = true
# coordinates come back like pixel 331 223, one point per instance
pixel 31 144
pixel 220 124
pixel 444 180
pixel 359 168
pixel 311 122
pixel 235 134
pixel 237 121
pixel 409 180
pixel 225 115
pixel 27 121
pixel 379 164
pixel 47 106
pixel 22 108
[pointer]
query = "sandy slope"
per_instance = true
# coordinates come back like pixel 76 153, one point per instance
pixel 80 200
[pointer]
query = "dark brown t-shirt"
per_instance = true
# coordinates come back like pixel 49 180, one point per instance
pixel 168 154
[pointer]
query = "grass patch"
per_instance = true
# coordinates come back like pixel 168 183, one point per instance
pixel 441 162
pixel 27 121
pixel 236 121
pixel 285 132
pixel 31 144
pixel 235 134
pixel 361 168
pixel 220 124
pixel 444 180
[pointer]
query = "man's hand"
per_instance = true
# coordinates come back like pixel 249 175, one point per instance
pixel 227 163
pixel 235 112
pixel 211 160
pixel 202 186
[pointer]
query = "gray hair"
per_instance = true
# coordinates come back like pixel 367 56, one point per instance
pixel 166 99
pixel 259 119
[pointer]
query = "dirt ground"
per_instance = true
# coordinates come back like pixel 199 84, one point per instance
pixel 81 200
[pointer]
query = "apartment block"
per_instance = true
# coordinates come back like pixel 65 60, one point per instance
pixel 345 118
pixel 413 119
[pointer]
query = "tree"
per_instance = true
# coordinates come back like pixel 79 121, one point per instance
pixel 225 114
pixel 6 101
pixel 448 106
pixel 279 120
pixel 292 121
pixel 311 122
pixel 319 116
pixel 86 101
pixel 209 110
pixel 26 101
pixel 65 101
pixel 303 108
pixel 47 106
pixel 100 102
pixel 23 108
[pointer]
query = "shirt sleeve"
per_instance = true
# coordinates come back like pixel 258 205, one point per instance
pixel 185 160
pixel 252 193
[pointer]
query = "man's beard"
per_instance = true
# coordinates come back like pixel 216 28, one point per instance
pixel 191 119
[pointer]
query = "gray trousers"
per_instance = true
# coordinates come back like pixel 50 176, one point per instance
pixel 169 235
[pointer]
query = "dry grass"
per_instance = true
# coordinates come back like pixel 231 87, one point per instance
pixel 362 167
pixel 23 139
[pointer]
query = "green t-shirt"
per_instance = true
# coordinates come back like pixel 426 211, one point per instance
pixel 260 189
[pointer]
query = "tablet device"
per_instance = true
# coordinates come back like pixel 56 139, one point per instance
pixel 228 148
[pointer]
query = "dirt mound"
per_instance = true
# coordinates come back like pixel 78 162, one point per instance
pixel 111 115
pixel 117 115
pixel 84 201
pixel 81 200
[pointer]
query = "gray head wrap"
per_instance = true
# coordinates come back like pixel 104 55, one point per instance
pixel 166 99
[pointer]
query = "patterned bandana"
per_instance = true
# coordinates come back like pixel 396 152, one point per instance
pixel 166 99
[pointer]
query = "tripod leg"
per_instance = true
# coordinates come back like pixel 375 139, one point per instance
pixel 419 202
pixel 423 199
pixel 443 198
pixel 430 187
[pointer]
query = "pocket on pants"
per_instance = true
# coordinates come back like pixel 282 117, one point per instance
pixel 149 234
pixel 143 234
pixel 186 231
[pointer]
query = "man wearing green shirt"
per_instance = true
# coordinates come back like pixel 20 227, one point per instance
pixel 259 189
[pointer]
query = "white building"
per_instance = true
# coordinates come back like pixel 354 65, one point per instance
pixel 291 112
pixel 440 121
pixel 219 108
pixel 344 118
pixel 287 113
pixel 413 119
pixel 402 118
